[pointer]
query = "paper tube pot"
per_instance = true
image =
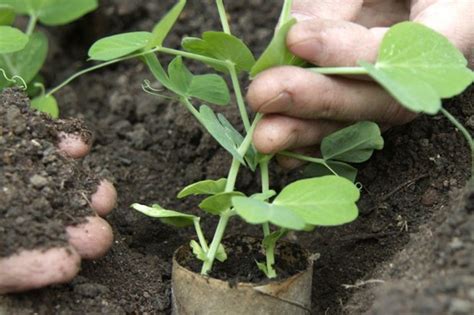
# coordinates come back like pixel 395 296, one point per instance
pixel 196 294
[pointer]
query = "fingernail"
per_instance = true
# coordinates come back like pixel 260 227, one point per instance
pixel 280 103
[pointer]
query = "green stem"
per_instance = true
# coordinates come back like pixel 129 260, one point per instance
pixel 226 215
pixel 270 255
pixel 31 24
pixel 269 252
pixel 305 158
pixel 223 16
pixel 285 15
pixel 238 94
pixel 340 70
pixel 204 59
pixel 465 133
pixel 192 109
pixel 200 235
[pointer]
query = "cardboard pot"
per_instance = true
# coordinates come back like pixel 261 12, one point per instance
pixel 193 293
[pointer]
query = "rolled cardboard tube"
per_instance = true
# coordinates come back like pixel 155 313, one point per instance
pixel 193 293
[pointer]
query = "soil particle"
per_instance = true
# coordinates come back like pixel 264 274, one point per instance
pixel 42 190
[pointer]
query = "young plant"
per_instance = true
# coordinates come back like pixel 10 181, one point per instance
pixel 22 54
pixel 416 65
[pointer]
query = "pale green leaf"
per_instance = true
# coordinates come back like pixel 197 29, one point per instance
pixel 221 254
pixel 342 169
pixel 419 67
pixel 264 195
pixel 220 133
pixel 277 54
pixel 27 62
pixel 7 14
pixel 262 267
pixel 120 45
pixel 161 30
pixel 221 46
pixel 355 143
pixel 46 104
pixel 170 217
pixel 205 187
pixel 255 211
pixel 12 40
pixel 218 203
pixel 59 12
pixel 325 201
pixel 198 252
pixel 157 70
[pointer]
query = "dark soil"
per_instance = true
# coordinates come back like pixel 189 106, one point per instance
pixel 41 189
pixel 410 251
pixel 242 253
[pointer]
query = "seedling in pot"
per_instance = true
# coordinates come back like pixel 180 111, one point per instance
pixel 416 65
pixel 22 54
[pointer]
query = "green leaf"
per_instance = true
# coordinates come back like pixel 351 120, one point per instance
pixel 277 54
pixel 419 66
pixel 198 251
pixel 120 45
pixel 218 203
pixel 60 12
pixel 209 87
pixel 221 255
pixel 270 240
pixel 221 46
pixel 23 6
pixel 341 169
pixel 7 14
pixel 262 267
pixel 255 211
pixel 46 104
pixel 169 217
pixel 25 63
pixel 205 187
pixel 223 135
pixel 161 30
pixel 264 196
pixel 157 70
pixel 355 143
pixel 326 201
pixel 11 40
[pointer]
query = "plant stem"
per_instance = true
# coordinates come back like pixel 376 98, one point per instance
pixel 223 16
pixel 31 24
pixel 225 216
pixel 200 235
pixel 466 135
pixel 285 15
pixel 192 109
pixel 189 55
pixel 340 70
pixel 238 95
pixel 305 158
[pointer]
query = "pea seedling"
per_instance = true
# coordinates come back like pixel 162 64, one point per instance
pixel 416 65
pixel 22 54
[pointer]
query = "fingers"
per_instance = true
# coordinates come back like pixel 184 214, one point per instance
pixel 331 43
pixel 299 93
pixel 328 9
pixel 73 145
pixel 276 133
pixel 454 19
pixel 104 199
pixel 91 239
pixel 36 268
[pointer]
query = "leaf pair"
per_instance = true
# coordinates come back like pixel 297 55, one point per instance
pixel 53 12
pixel 419 67
pixel 200 254
pixel 325 201
pixel 116 46
pixel 353 144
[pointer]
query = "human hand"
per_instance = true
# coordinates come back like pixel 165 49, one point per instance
pixel 31 269
pixel 303 107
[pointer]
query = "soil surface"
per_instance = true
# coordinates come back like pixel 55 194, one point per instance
pixel 409 252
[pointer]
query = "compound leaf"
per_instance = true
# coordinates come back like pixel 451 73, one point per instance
pixel 277 54
pixel 325 201
pixel 355 143
pixel 205 187
pixel 12 40
pixel 221 46
pixel 169 217
pixel 419 67
pixel 218 203
pixel 342 169
pixel 120 45
pixel 46 104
